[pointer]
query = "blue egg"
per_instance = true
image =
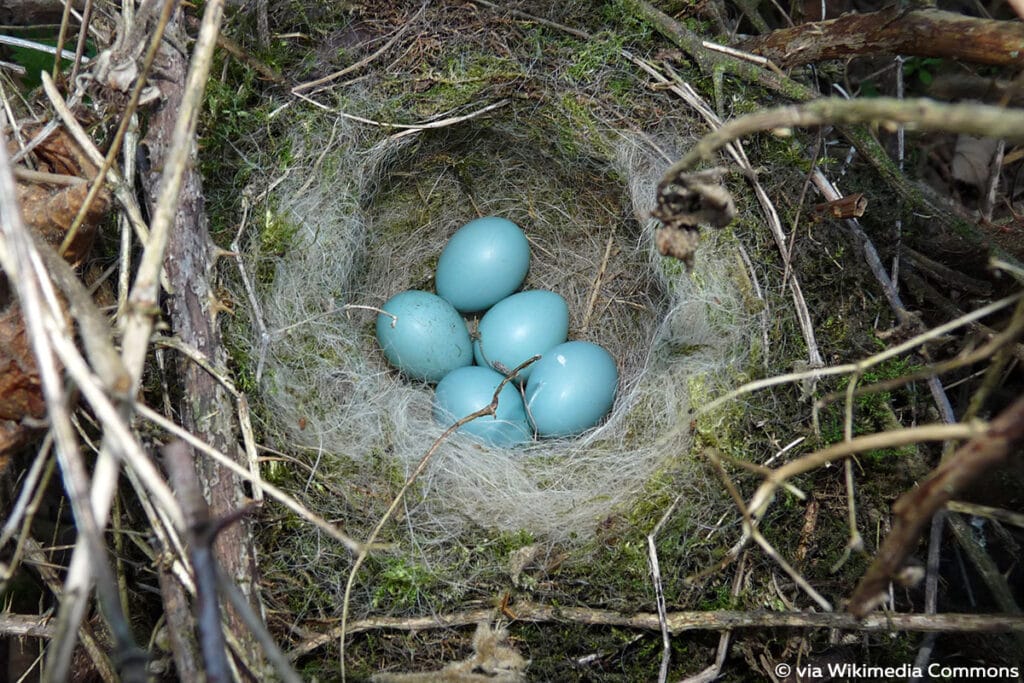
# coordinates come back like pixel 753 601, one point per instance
pixel 466 390
pixel 519 327
pixel 483 262
pixel 426 339
pixel 571 388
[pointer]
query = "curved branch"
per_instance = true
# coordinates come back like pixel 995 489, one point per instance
pixel 920 114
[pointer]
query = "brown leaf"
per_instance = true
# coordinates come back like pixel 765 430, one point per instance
pixel 20 388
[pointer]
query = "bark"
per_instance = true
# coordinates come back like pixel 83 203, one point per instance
pixel 206 409
pixel 920 33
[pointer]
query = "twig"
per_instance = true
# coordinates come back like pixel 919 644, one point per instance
pixel 25 514
pixel 537 20
pixel 122 192
pixel 861 366
pixel 736 151
pixel 28 487
pixel 750 531
pixel 126 121
pixel 250 292
pixel 913 510
pixel 364 552
pixel 595 290
pixel 238 52
pixel 83 35
pixel 364 61
pixel 927 32
pixel 931 588
pixel 44 178
pixel 200 532
pixel 978 510
pixel 269 489
pixel 765 493
pixel 1000 341
pixel 411 128
pixel 924 114
pixel 93 326
pixel 997 584
pixel 25 625
pixel 659 592
pixel 142 304
pixel 242 605
pixel 38 47
pixel 45 326
pixel 681 622
pixel 35 557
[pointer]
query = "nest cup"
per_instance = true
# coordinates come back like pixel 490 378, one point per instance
pixel 368 217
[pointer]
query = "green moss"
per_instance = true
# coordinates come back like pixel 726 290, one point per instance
pixel 402 584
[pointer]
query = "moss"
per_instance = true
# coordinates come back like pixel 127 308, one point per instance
pixel 401 584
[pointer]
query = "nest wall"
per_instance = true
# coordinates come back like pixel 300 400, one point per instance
pixel 370 215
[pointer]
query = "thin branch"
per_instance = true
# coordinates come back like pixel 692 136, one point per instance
pixel 895 31
pixel 126 121
pixel 178 460
pixel 681 622
pixel 659 592
pixel 489 409
pixel 366 60
pixel 922 114
pixel 986 448
pixel 269 489
pixel 866 363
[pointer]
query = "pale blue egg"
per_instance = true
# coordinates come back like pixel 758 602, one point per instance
pixel 426 339
pixel 466 390
pixel 519 327
pixel 483 262
pixel 571 388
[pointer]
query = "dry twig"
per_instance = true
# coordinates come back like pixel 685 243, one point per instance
pixel 986 448
pixel 681 622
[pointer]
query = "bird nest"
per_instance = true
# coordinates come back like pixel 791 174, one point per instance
pixel 366 217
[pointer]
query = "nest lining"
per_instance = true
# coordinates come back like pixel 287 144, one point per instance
pixel 372 217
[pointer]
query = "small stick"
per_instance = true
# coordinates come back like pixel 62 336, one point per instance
pixel 38 47
pixel 681 622
pixel 268 488
pixel 978 510
pixel 381 311
pixel 986 449
pixel 126 120
pixel 714 671
pixel 244 608
pixel 366 60
pixel 21 507
pixel 25 625
pixel 490 409
pixel 45 178
pixel 659 592
pixel 683 89
pixel 597 284
pixel 866 363
pixel 250 292
pixel 142 306
pixel 750 531
pixel 45 328
pixel 925 115
pixel 121 190
pixel 200 532
pixel 35 557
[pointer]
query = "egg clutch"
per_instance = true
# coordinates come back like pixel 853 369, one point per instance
pixel 567 391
